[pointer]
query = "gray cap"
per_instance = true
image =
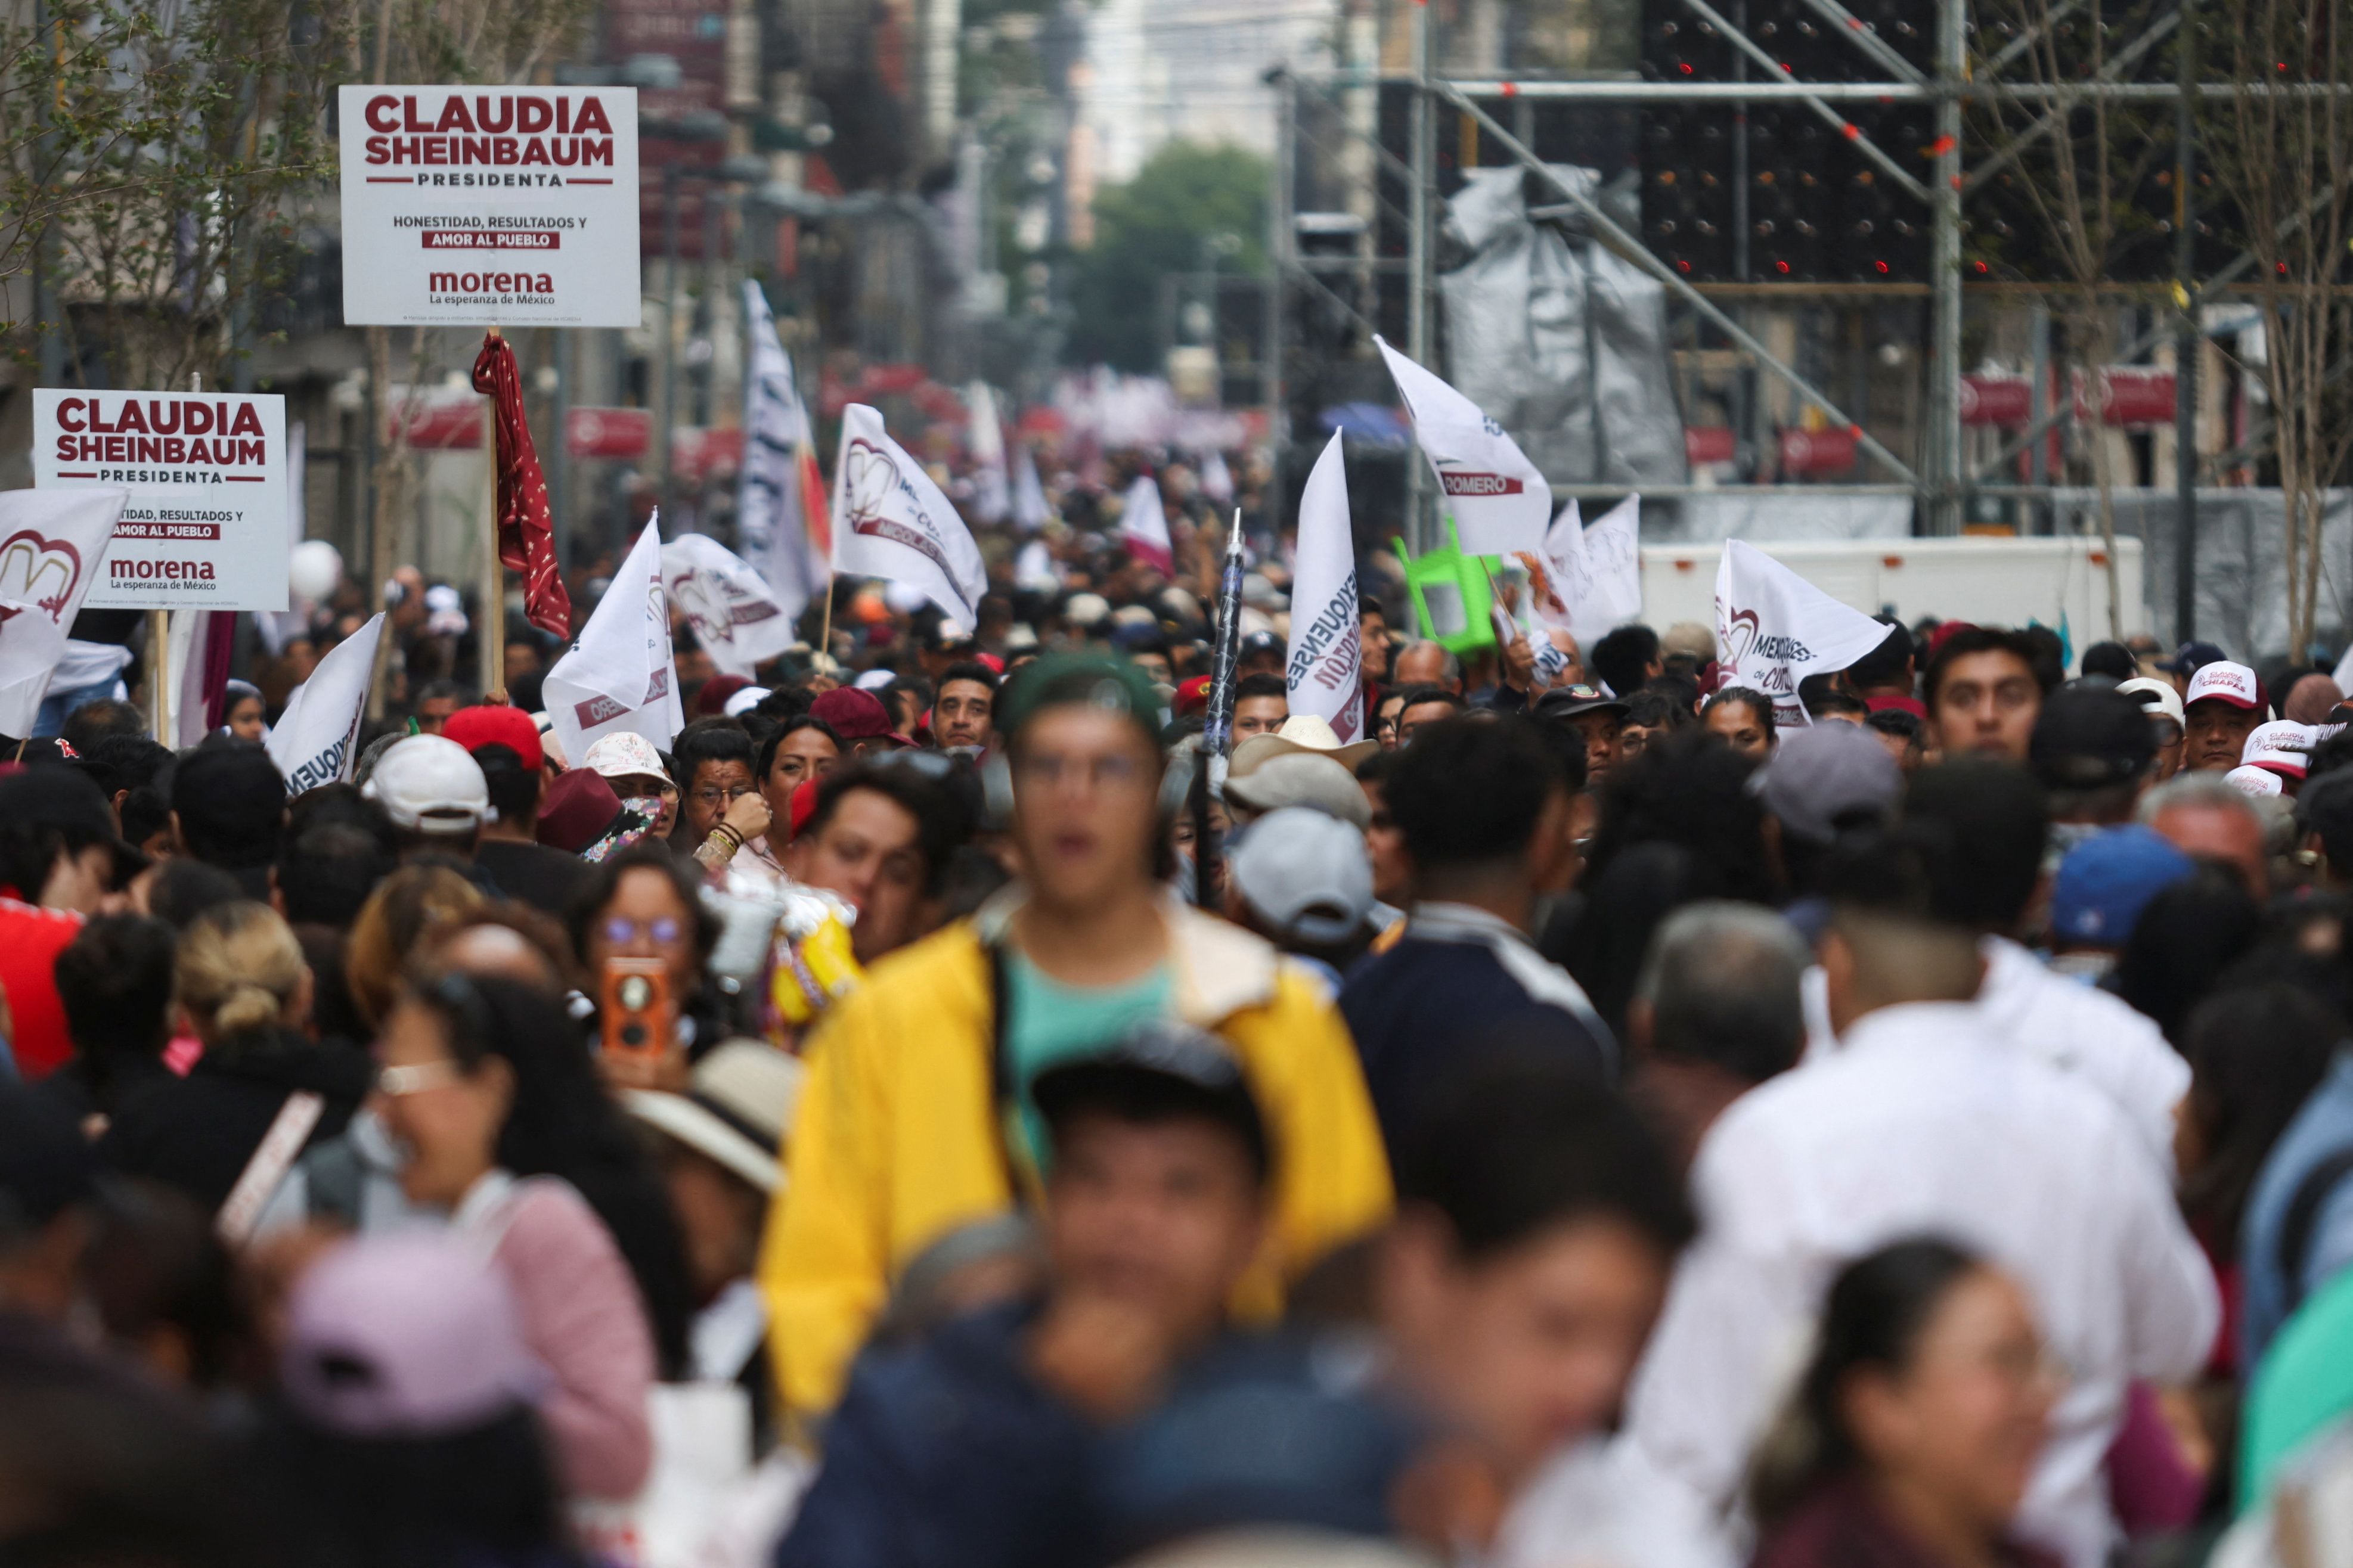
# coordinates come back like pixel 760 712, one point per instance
pixel 1305 873
pixel 1822 776
pixel 1302 778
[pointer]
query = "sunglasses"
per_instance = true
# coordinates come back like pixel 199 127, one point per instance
pixel 619 929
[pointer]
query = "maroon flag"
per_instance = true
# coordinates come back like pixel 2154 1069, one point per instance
pixel 526 525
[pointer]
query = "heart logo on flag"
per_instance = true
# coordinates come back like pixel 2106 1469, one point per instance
pixel 1739 635
pixel 873 476
pixel 36 572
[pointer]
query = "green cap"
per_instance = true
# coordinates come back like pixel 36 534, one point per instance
pixel 1084 680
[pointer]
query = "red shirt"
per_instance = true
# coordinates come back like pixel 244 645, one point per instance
pixel 30 940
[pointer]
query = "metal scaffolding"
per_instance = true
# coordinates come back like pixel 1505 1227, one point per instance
pixel 1940 479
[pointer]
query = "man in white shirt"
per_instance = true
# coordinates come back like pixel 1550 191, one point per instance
pixel 1917 1124
pixel 1994 817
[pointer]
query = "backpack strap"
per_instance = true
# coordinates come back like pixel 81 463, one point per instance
pixel 2303 1214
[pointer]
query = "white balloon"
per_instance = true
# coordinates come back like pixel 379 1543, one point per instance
pixel 313 570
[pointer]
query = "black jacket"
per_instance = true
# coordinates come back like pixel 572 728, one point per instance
pixel 198 1132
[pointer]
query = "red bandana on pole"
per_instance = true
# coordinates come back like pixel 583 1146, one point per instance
pixel 526 525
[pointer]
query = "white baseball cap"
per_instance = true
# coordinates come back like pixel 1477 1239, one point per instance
pixel 2281 746
pixel 428 783
pixel 1306 872
pixel 743 702
pixel 2253 781
pixel 2159 697
pixel 2224 682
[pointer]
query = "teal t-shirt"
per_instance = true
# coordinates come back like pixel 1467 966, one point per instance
pixel 1048 1022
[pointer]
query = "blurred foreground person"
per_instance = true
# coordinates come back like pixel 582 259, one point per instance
pixel 1538 1222
pixel 408 1436
pixel 1919 1123
pixel 973 1447
pixel 917 1117
pixel 1914 1432
pixel 498 1117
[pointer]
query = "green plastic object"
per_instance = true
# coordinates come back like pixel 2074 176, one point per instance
pixel 1451 596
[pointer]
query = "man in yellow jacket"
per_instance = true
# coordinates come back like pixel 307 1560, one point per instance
pixel 915 1120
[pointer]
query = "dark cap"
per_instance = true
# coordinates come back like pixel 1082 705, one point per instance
pixel 580 809
pixel 2191 657
pixel 46 1164
pixel 1262 642
pixel 1568 701
pixel 231 792
pixel 64 798
pixel 1826 779
pixel 1079 680
pixel 1158 1070
pixel 2091 737
pixel 856 715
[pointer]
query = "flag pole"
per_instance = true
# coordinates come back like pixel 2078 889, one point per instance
pixel 493 627
pixel 1216 725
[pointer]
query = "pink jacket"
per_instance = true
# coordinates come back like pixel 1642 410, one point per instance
pixel 582 1320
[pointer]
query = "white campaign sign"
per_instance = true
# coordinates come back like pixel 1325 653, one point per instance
pixel 1500 500
pixel 51 546
pixel 891 521
pixel 1590 580
pixel 316 741
pixel 1774 628
pixel 512 207
pixel 1143 524
pixel 1324 663
pixel 206 526
pixel 734 613
pixel 617 675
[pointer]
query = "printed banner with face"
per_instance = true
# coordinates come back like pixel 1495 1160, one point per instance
pixel 1499 498
pixel 1773 628
pixel 617 675
pixel 1326 655
pixel 316 741
pixel 52 543
pixel 891 521
pixel 779 502
pixel 735 614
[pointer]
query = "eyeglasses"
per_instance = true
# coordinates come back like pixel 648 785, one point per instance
pixel 415 1077
pixel 619 929
pixel 718 796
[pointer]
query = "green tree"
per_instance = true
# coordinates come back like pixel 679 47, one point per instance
pixel 1158 223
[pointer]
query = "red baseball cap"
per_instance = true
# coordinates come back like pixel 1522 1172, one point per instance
pixel 1193 695
pixel 857 715
pixel 489 725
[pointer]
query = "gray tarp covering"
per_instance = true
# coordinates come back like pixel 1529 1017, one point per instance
pixel 1764 518
pixel 2242 568
pixel 1559 340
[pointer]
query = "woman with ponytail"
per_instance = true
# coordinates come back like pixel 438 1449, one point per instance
pixel 241 987
pixel 1910 1440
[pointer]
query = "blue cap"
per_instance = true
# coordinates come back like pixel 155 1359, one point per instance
pixel 2192 657
pixel 2106 882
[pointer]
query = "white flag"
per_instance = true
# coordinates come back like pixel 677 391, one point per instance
pixel 1217 480
pixel 190 647
pixel 1144 526
pixel 1499 501
pixel 773 493
pixel 1034 568
pixel 51 544
pixel 316 740
pixel 1029 495
pixel 891 521
pixel 1775 628
pixel 735 615
pixel 1324 670
pixel 1587 581
pixel 618 674
pixel 990 499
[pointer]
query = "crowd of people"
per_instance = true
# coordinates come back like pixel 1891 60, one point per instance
pixel 907 1117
